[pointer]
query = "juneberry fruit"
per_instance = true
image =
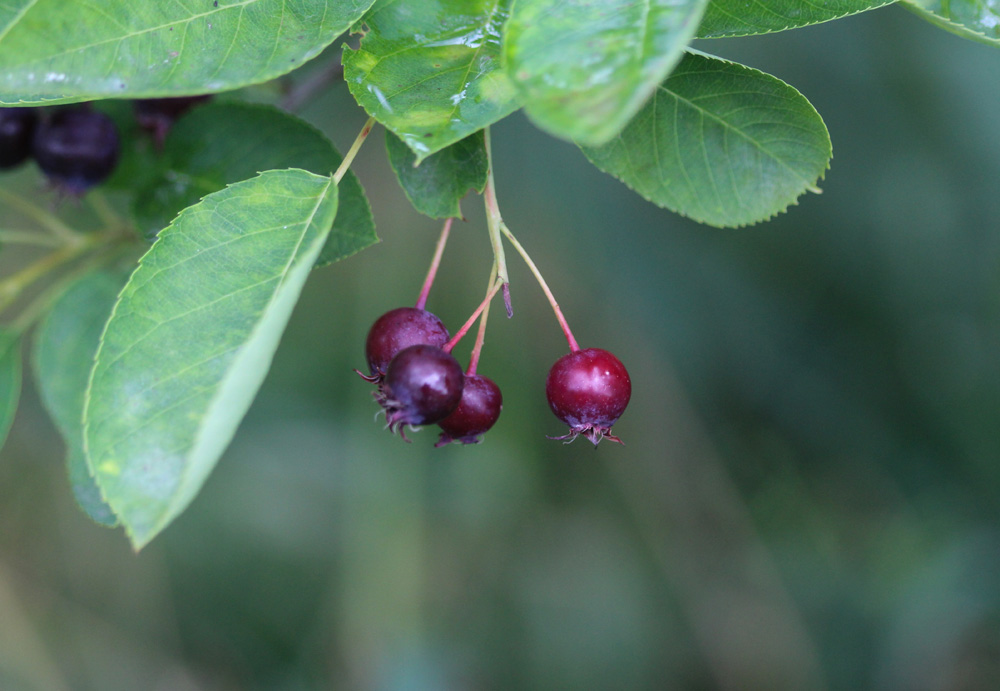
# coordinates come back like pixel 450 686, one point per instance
pixel 476 413
pixel 398 329
pixel 76 148
pixel 157 115
pixel 16 128
pixel 423 384
pixel 588 390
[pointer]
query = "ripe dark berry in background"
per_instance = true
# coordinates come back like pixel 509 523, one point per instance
pixel 423 384
pixel 398 329
pixel 588 390
pixel 17 125
pixel 157 115
pixel 76 148
pixel 476 413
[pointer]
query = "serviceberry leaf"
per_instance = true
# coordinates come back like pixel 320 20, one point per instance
pixel 430 71
pixel 53 50
pixel 720 143
pixel 583 69
pixel 65 345
pixel 751 17
pixel 220 143
pixel 191 338
pixel 978 20
pixel 10 379
pixel 437 185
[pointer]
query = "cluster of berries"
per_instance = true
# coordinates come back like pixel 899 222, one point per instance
pixel 77 147
pixel 419 382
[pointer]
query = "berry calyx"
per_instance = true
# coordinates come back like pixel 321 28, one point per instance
pixel 76 148
pixel 476 413
pixel 423 384
pixel 16 128
pixel 588 390
pixel 398 329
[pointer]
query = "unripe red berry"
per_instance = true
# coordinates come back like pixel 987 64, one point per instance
pixel 588 390
pixel 476 413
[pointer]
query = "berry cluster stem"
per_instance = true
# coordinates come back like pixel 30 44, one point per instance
pixel 494 221
pixel 12 286
pixel 447 347
pixel 435 263
pixel 481 334
pixel 353 151
pixel 46 220
pixel 573 346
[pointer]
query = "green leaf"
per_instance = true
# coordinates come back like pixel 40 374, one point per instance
pixel 65 345
pixel 750 17
pixel 192 337
pixel 10 12
pixel 436 186
pixel 430 70
pixel 10 379
pixel 583 69
pixel 72 51
pixel 721 143
pixel 978 20
pixel 220 143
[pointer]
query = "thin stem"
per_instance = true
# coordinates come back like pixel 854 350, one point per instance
pixel 545 288
pixel 353 151
pixel 28 237
pixel 493 223
pixel 481 334
pixel 108 216
pixel 45 219
pixel 12 286
pixel 447 347
pixel 435 263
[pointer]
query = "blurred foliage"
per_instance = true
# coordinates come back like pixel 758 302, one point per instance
pixel 809 493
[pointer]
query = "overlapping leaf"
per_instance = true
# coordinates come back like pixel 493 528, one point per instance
pixel 191 339
pixel 583 69
pixel 721 143
pixel 749 17
pixel 437 185
pixel 57 50
pixel 65 345
pixel 978 20
pixel 430 71
pixel 10 379
pixel 222 143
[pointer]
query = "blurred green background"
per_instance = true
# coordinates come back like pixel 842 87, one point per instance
pixel 809 493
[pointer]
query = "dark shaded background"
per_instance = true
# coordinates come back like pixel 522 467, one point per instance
pixel 809 493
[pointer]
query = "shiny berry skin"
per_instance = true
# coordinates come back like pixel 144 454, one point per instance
pixel 588 390
pixel 398 329
pixel 16 128
pixel 423 384
pixel 476 413
pixel 76 148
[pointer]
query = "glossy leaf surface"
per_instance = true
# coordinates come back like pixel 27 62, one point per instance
pixel 221 143
pixel 10 379
pixel 583 69
pixel 58 50
pixel 438 184
pixel 430 71
pixel 65 345
pixel 720 143
pixel 978 20
pixel 191 339
pixel 746 18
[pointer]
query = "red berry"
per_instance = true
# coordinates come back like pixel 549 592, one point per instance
pixel 16 128
pixel 588 390
pixel 476 413
pixel 423 384
pixel 398 329
pixel 76 148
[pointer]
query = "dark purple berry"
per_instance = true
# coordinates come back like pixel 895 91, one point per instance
pixel 16 127
pixel 588 390
pixel 76 148
pixel 476 413
pixel 398 329
pixel 157 115
pixel 423 384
